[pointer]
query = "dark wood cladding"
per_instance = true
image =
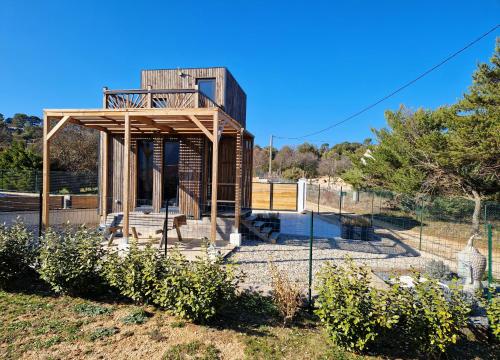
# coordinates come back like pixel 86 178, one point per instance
pixel 246 187
pixel 191 152
pixel 170 79
pixel 227 169
pixel 228 93
pixel 235 101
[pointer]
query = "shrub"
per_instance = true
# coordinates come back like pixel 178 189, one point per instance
pixel 428 318
pixel 346 305
pixel 286 295
pixel 195 290
pixel 69 261
pixel 135 274
pixel 493 312
pixel 17 252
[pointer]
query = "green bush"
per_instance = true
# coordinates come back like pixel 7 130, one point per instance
pixel 69 261
pixel 195 290
pixel 425 318
pixel 17 252
pixel 135 274
pixel 493 312
pixel 346 305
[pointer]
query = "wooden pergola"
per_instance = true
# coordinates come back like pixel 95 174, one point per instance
pixel 211 122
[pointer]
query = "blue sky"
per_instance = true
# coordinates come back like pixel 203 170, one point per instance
pixel 303 65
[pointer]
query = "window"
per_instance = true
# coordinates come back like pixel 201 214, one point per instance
pixel 144 172
pixel 207 87
pixel 171 172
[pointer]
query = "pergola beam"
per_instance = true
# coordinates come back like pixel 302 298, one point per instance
pixel 202 127
pixel 61 123
pixel 148 121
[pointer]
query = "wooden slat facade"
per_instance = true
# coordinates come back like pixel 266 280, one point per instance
pixel 168 105
pixel 228 93
pixel 194 172
pixel 191 151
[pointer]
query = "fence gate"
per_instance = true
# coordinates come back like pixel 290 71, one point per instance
pixel 274 196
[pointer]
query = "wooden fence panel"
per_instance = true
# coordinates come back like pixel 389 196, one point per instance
pixel 275 196
pixel 284 197
pixel 261 198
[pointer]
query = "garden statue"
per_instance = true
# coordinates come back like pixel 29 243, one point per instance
pixel 471 266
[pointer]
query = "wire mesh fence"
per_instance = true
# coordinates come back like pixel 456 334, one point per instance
pixel 386 231
pixel 435 226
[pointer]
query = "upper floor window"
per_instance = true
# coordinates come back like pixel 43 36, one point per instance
pixel 207 87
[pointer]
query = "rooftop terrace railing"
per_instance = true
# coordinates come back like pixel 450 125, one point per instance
pixel 156 98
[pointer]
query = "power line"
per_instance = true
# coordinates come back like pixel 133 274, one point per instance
pixel 401 88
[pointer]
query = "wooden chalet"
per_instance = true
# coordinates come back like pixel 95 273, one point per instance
pixel 178 141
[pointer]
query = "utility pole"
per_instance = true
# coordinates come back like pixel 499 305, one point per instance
pixel 270 156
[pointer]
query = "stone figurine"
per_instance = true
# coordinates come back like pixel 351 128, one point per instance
pixel 471 266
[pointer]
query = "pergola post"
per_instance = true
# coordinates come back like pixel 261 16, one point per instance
pixel 235 237
pixel 126 180
pixel 215 173
pixel 104 175
pixel 237 187
pixel 45 173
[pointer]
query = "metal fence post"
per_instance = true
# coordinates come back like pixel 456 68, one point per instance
pixel 340 203
pixel 373 199
pixel 421 224
pixel 490 257
pixel 40 205
pixel 165 228
pixel 319 191
pixel 311 235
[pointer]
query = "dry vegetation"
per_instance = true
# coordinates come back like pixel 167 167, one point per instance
pixel 41 326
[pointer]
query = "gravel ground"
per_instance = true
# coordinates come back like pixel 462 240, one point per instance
pixel 291 255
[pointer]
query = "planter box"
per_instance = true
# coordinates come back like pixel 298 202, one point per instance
pixel 356 229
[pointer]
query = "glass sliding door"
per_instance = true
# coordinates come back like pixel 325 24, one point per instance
pixel 144 172
pixel 171 172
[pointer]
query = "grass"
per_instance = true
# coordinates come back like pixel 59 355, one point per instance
pixel 44 326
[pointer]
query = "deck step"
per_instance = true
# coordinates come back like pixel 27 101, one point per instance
pixel 273 238
pixel 251 218
pixel 266 230
pixel 259 224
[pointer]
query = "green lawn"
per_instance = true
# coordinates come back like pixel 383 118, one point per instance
pixel 39 325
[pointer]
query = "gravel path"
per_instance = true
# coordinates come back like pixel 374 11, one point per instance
pixel 291 254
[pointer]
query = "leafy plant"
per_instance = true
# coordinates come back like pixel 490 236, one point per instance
pixel 102 332
pixel 493 313
pixel 192 350
pixel 346 305
pixel 196 290
pixel 135 274
pixel 88 309
pixel 69 261
pixel 17 252
pixel 426 317
pixel 437 269
pixel 136 317
pixel 286 295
